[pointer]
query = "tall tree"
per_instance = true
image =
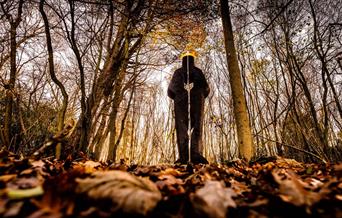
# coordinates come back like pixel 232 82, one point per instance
pixel 244 134
pixel 14 22
pixel 61 115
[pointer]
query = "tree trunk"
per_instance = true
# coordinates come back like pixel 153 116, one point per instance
pixel 118 96
pixel 122 128
pixel 85 113
pixel 62 112
pixel 244 134
pixel 318 45
pixel 13 72
pixel 103 87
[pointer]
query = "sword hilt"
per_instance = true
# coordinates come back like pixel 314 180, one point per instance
pixel 189 86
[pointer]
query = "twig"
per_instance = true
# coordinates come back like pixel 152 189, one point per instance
pixel 277 15
pixel 291 146
pixel 273 20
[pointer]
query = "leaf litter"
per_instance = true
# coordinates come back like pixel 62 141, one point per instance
pixel 277 187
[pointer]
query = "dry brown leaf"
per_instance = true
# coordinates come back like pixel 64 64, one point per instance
pixel 170 183
pixel 27 172
pixel 339 185
pixel 312 183
pixel 338 167
pixel 288 163
pixel 143 170
pixel 239 187
pixel 129 193
pixel 90 166
pixel 292 190
pixel 7 178
pixel 269 166
pixel 259 202
pixel 234 172
pixel 213 199
pixel 172 171
pixel 171 180
pixel 338 170
pixel 14 209
pixel 38 163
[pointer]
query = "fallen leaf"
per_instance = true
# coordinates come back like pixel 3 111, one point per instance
pixel 24 183
pixel 234 172
pixel 14 209
pixel 172 171
pixel 128 193
pixel 7 178
pixel 339 185
pixel 45 214
pixel 50 206
pixel 259 202
pixel 213 199
pixel 90 166
pixel 38 164
pixel 94 212
pixel 14 194
pixel 269 165
pixel 118 166
pixel 288 163
pixel 312 183
pixel 338 167
pixel 292 190
pixel 171 184
pixel 3 203
pixel 171 180
pixel 239 187
pixel 143 170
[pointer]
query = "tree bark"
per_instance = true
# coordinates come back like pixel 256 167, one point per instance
pixel 13 71
pixel 118 96
pixel 318 45
pixel 122 128
pixel 244 134
pixel 103 87
pixel 85 112
pixel 62 112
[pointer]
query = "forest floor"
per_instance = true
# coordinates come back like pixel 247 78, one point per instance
pixel 270 187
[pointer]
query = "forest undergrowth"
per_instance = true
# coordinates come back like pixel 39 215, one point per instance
pixel 268 187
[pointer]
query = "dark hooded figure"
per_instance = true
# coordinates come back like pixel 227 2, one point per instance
pixel 179 94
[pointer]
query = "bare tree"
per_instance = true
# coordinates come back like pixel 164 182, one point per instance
pixel 62 112
pixel 245 140
pixel 14 21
